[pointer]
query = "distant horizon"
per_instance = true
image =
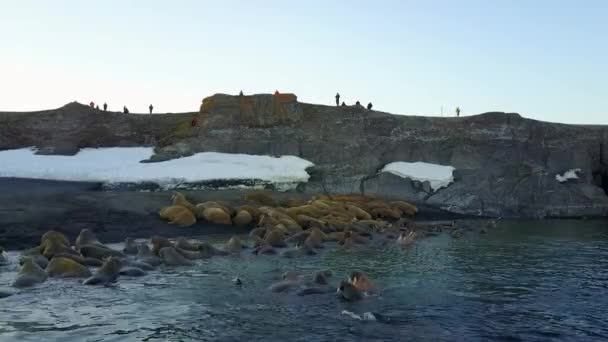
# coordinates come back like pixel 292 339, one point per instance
pixel 544 60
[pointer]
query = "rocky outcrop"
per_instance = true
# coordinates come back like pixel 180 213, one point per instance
pixel 505 164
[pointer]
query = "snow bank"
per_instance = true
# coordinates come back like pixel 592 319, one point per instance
pixel 438 176
pixel 570 174
pixel 122 165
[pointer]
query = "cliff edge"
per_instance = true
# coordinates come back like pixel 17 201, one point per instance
pixel 504 165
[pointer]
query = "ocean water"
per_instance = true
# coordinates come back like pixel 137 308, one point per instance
pixel 522 281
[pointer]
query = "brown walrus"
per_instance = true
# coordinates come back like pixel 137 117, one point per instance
pixel 81 260
pixel 275 238
pixel 66 268
pixel 108 273
pixel 349 292
pixel 30 274
pixel 159 242
pixel 207 250
pixel 361 281
pixel 171 257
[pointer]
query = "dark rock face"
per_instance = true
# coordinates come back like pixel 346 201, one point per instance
pixel 505 164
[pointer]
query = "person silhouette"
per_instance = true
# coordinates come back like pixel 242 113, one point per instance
pixel 369 106
pixel 125 110
pixel 337 99
pixel 458 111
pixel 151 107
pixel 105 107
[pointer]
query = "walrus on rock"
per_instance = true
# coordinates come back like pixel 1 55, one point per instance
pixel 99 252
pixel 144 254
pixel 108 273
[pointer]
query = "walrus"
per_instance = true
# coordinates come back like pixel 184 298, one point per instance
pixel 66 268
pixel 4 292
pixel 171 257
pixel 242 218
pixel 360 281
pixel 359 213
pixel 258 231
pixel 99 252
pixel 405 208
pixel 349 292
pixel 289 281
pixel 126 262
pixel 207 250
pixel 30 274
pixel 159 242
pixel 298 237
pixel 130 271
pixel 86 237
pixel 53 235
pixel 234 245
pixel 3 257
pixel 275 238
pixel 385 213
pixel 130 246
pixel 191 255
pixel 178 215
pixel 187 245
pixel 108 273
pixel 406 239
pixel 299 249
pixel 217 216
pixel 39 259
pixel 265 249
pixel 81 259
pixel 145 255
pixel 179 199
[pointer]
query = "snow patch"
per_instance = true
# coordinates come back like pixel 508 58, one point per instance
pixel 123 165
pixel 438 176
pixel 570 174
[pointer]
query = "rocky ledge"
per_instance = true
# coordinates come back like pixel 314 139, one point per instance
pixel 505 165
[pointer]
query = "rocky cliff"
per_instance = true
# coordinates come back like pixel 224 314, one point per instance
pixel 505 165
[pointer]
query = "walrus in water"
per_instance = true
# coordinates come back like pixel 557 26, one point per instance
pixel 234 245
pixel 187 245
pixel 264 249
pixel 131 271
pixel 207 250
pixel 290 280
pixel 66 268
pixel 298 250
pixel 30 274
pixel 361 281
pixel 3 257
pixel 38 258
pixel 171 257
pixel 159 242
pixel 108 273
pixel 86 237
pixel 126 262
pixel 275 238
pixel 349 292
pixel 190 255
pixel 130 246
pixel 319 284
pixel 145 255
pixel 99 252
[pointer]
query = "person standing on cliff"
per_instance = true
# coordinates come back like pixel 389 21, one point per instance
pixel 241 93
pixel 337 99
pixel 458 111
pixel 150 108
pixel 92 104
pixel 276 92
pixel 105 107
pixel 125 110
pixel 369 106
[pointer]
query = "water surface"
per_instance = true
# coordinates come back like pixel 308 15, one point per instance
pixel 524 280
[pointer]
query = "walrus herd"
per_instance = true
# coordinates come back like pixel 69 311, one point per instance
pixel 291 229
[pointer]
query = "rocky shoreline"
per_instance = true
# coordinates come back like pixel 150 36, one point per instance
pixel 31 207
pixel 505 165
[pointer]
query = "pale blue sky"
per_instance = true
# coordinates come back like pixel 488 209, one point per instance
pixel 544 59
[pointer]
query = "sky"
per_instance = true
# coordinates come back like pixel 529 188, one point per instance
pixel 544 59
